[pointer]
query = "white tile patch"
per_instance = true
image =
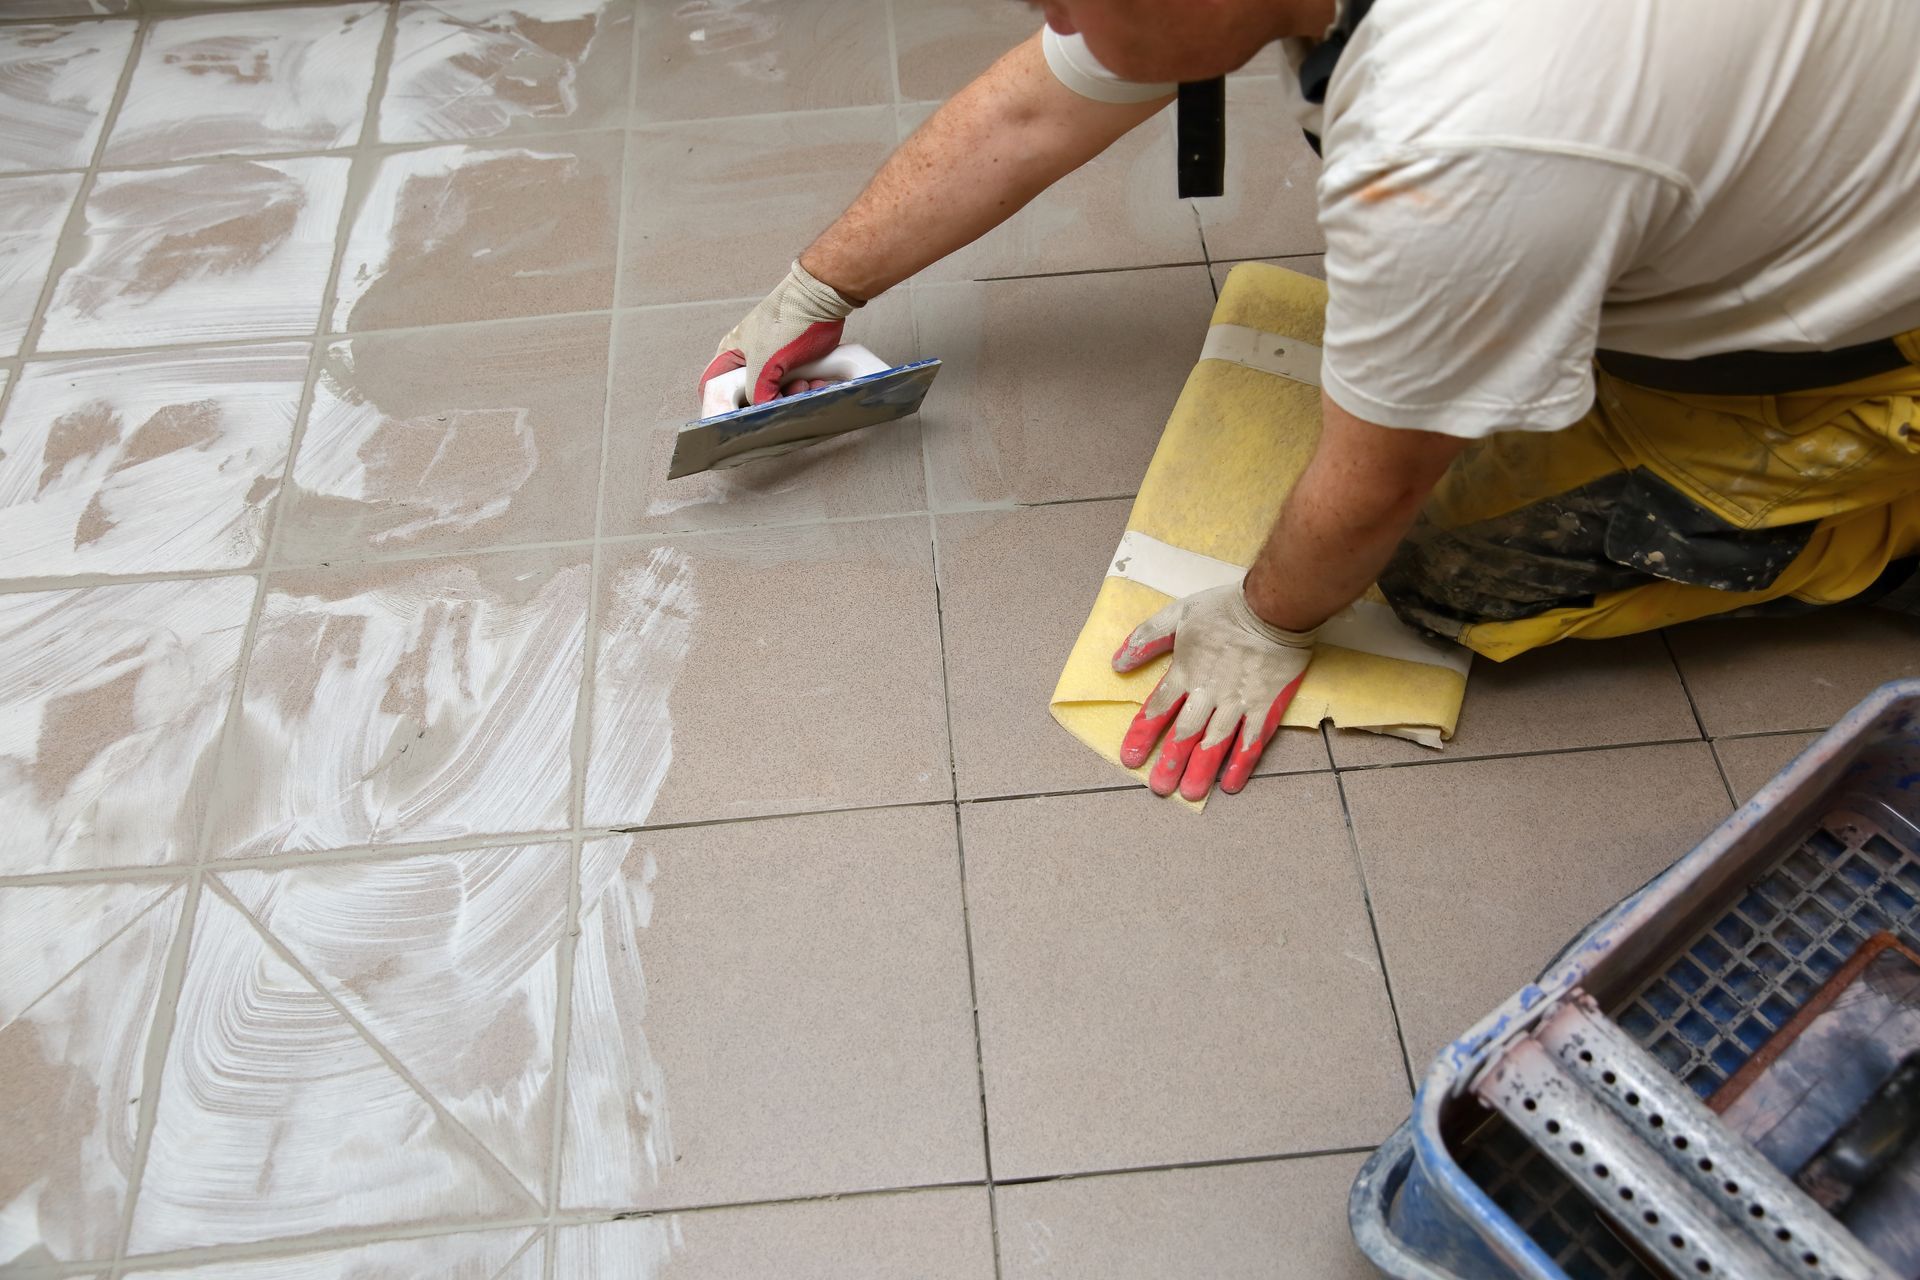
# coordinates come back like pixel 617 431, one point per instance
pixel 109 698
pixel 268 80
pixel 32 212
pixel 56 83
pixel 512 1254
pixel 146 463
pixel 201 253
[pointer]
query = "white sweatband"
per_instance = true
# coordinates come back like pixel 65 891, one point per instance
pixel 1074 66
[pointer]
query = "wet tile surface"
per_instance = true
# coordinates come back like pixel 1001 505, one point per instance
pixel 111 700
pixel 1148 993
pixel 773 1009
pixel 146 463
pixel 258 81
pixel 450 963
pixel 717 216
pixel 658 355
pixel 1269 207
pixel 214 252
pixel 513 1254
pixel 277 1117
pixel 474 233
pixel 493 68
pixel 1481 871
pixel 756 57
pixel 83 966
pixel 1579 694
pixel 56 83
pixel 945 1233
pixel 416 700
pixel 1751 763
pixel 32 211
pixel 1117 210
pixel 747 673
pixel 1281 1220
pixel 1053 389
pixel 942 47
pixel 450 439
pixel 1041 566
pixel 1753 674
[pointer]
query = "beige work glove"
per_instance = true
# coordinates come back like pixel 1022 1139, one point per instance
pixel 1229 684
pixel 796 324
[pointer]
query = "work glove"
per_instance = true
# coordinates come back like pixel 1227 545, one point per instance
pixel 1230 681
pixel 796 324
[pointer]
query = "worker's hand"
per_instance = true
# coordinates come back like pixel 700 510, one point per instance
pixel 1231 679
pixel 796 324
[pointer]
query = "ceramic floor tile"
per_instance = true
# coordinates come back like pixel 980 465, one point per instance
pixel 200 253
pixel 942 46
pixel 32 212
pixel 1585 693
pixel 776 671
pixel 946 1234
pixel 110 699
pixel 1041 565
pixel 756 57
pixel 413 700
pixel 490 68
pixel 1275 1220
pixel 56 83
pixel 1307 264
pixel 1117 210
pixel 1751 763
pixel 480 1255
pixel 450 439
pixel 1157 988
pixel 1458 858
pixel 253 82
pixel 146 463
pixel 1271 205
pixel 771 1009
pixel 450 963
pixel 277 1119
pixel 82 966
pixel 727 205
pixel 1029 406
pixel 477 233
pixel 1750 675
pixel 658 355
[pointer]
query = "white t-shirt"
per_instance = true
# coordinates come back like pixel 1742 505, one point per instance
pixel 1509 186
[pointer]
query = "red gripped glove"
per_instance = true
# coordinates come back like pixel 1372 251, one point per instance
pixel 1229 684
pixel 796 324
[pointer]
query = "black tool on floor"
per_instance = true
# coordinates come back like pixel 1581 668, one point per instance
pixel 1201 123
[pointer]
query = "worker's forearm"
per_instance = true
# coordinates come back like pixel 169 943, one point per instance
pixel 1355 501
pixel 976 161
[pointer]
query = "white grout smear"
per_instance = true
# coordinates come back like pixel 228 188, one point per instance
pixel 476 68
pixel 271 80
pixel 146 463
pixel 743 32
pixel 480 1255
pixel 55 85
pixel 619 1141
pixel 637 1249
pixel 214 252
pixel 646 632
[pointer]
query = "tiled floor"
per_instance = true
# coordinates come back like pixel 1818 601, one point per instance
pixel 433 839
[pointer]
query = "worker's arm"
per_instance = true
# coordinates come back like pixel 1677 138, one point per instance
pixel 983 155
pixel 1240 651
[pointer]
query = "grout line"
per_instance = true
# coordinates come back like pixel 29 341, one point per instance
pixel 545 1237
pixel 966 915
pixel 1719 766
pixel 166 1010
pixel 77 965
pixel 1373 925
pixel 1442 759
pixel 1770 733
pixel 72 237
pixel 382 69
pixel 482 1153
pixel 893 59
pixel 1225 1162
pixel 1054 275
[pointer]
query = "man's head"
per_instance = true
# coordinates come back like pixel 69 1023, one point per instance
pixel 1160 40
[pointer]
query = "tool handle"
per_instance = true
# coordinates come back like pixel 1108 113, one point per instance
pixel 728 391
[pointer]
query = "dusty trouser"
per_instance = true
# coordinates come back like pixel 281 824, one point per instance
pixel 1662 506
